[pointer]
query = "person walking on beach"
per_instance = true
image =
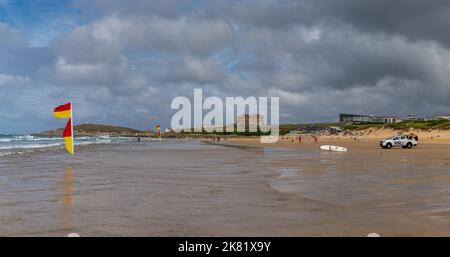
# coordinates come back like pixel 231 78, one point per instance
pixel 299 139
pixel 315 139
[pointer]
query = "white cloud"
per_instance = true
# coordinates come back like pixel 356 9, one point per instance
pixel 289 98
pixel 201 71
pixel 8 79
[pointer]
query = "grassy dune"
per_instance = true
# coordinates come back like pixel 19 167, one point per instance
pixel 97 128
pixel 403 126
pixel 422 125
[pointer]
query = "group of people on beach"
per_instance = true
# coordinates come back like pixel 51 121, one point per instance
pixel 216 138
pixel 413 136
pixel 300 139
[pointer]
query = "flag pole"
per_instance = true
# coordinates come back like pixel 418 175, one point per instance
pixel 71 127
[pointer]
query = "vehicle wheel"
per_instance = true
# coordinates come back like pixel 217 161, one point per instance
pixel 388 145
pixel 409 145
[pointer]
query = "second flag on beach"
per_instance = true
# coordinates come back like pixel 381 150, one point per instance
pixel 65 111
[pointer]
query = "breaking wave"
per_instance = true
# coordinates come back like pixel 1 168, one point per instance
pixel 20 144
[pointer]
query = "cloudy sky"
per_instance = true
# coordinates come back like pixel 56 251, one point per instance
pixel 122 62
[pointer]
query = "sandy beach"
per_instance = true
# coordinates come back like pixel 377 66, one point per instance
pixel 433 135
pixel 395 192
pixel 237 188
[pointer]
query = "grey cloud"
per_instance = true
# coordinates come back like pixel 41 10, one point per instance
pixel 16 57
pixel 320 58
pixel 416 19
pixel 105 40
pixel 10 37
pixel 201 71
pixel 6 79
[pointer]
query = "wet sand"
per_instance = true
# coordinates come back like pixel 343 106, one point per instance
pixel 179 188
pixel 397 192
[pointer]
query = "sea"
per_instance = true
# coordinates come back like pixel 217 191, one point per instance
pixel 23 144
pixel 177 187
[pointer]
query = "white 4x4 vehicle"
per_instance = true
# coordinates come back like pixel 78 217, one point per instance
pixel 402 141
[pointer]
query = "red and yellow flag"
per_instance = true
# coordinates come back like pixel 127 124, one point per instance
pixel 158 130
pixel 65 111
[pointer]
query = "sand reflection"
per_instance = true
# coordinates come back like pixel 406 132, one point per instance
pixel 67 198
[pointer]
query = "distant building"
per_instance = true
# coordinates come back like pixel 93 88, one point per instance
pixel 315 129
pixel 443 117
pixel 392 119
pixel 376 119
pixel 334 130
pixel 356 118
pixel 412 117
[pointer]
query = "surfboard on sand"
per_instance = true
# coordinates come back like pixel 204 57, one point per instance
pixel 333 148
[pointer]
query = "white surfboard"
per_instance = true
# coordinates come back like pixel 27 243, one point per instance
pixel 333 148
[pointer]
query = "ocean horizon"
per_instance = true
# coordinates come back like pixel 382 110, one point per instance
pixel 11 144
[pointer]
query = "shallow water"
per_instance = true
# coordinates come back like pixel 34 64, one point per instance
pixel 26 144
pixel 187 188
